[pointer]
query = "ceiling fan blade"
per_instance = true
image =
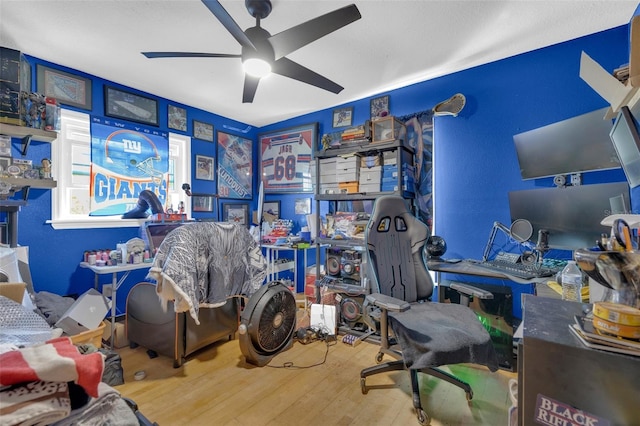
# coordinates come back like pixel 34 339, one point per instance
pixel 288 68
pixel 296 37
pixel 250 87
pixel 152 55
pixel 227 21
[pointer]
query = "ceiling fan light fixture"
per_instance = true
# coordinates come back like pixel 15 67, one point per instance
pixel 256 67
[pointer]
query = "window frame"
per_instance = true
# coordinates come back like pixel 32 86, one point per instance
pixel 74 121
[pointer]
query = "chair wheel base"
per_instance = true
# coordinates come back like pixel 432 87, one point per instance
pixel 423 418
pixel 363 386
pixel 379 357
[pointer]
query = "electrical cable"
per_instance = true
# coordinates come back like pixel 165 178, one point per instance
pixel 290 364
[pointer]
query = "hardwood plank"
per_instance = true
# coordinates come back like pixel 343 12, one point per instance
pixel 216 386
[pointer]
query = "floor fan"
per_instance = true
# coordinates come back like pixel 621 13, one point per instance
pixel 267 323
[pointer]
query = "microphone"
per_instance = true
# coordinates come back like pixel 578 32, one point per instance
pixel 543 240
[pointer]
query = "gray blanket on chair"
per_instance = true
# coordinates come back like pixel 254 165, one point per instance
pixel 434 334
pixel 204 263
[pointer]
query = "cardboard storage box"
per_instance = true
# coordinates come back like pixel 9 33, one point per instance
pixel 13 291
pixel 329 188
pixel 370 161
pixel 93 336
pixel 371 175
pixel 119 335
pixel 370 187
pixel 347 163
pixel 348 187
pixel 348 176
pixel 86 313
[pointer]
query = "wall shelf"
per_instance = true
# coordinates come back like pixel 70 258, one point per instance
pixel 27 134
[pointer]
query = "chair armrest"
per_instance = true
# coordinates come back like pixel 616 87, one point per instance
pixel 471 291
pixel 387 302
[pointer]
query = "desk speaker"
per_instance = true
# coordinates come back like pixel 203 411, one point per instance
pixel 333 261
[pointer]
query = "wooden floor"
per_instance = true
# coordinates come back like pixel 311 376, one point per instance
pixel 216 387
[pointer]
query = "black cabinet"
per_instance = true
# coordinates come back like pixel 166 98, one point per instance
pixel 559 377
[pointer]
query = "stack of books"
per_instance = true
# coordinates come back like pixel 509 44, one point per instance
pixel 592 338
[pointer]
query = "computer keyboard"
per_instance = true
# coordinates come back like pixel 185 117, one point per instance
pixel 518 270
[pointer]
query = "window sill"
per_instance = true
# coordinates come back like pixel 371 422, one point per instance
pixel 97 222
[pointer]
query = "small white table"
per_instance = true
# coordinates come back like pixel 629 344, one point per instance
pixel 126 269
pixel 272 254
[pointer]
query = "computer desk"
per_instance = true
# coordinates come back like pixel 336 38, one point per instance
pixel 470 267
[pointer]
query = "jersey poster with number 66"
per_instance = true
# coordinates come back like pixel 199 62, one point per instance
pixel 286 159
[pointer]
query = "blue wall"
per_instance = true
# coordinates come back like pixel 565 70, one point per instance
pixel 476 164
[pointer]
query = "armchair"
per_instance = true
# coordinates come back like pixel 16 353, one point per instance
pixel 425 335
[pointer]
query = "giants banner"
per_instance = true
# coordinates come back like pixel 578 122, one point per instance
pixel 125 160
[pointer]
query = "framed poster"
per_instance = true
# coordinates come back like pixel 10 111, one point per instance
pixel 177 118
pixel 272 208
pixel 342 117
pixel 236 213
pixel 380 106
pixel 67 88
pixel 129 106
pixel 286 159
pixel 202 202
pixel 235 166
pixel 205 167
pixel 303 206
pixel 203 131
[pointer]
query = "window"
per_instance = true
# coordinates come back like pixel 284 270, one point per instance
pixel 71 161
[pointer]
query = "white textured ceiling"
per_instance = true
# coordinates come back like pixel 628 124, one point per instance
pixel 397 42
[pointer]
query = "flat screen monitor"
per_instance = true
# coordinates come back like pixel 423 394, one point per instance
pixel 571 215
pixel 626 141
pixel 154 233
pixel 576 145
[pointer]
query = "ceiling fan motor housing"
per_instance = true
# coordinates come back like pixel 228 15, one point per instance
pixel 259 9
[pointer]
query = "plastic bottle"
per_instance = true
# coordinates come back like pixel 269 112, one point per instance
pixel 571 278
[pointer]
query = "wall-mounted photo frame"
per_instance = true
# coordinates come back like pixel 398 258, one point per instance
pixel 236 213
pixel 177 118
pixel 130 106
pixel 203 131
pixel 303 206
pixel 272 208
pixel 285 164
pixel 380 106
pixel 342 117
pixel 205 167
pixel 5 162
pixel 202 202
pixel 68 89
pixel 235 166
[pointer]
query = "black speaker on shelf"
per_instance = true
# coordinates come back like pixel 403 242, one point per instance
pixel 350 265
pixel 351 310
pixel 333 259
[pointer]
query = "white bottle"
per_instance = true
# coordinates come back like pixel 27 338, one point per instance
pixel 571 282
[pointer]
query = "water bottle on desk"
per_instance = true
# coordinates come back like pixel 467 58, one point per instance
pixel 571 278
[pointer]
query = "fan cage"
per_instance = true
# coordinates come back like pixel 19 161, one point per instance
pixel 277 319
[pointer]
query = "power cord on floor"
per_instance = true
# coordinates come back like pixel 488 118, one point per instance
pixel 308 335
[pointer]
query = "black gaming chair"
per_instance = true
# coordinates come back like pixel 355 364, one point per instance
pixel 429 334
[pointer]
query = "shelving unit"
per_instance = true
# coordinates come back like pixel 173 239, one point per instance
pixel 12 206
pixel 404 155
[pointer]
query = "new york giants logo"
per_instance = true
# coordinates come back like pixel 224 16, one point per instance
pixel 134 147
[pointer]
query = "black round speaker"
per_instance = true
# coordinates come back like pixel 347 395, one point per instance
pixel 350 310
pixel 436 246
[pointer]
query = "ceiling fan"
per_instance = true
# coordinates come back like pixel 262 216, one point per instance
pixel 269 51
